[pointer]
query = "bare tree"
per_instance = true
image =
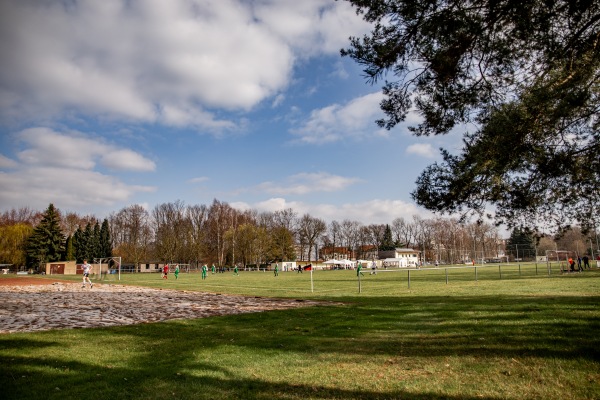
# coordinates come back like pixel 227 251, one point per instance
pixel 364 240
pixel 573 240
pixel 333 236
pixel 283 225
pixel 310 230
pixel 546 243
pixel 131 234
pixel 404 233
pixel 197 216
pixel 423 233
pixel 219 222
pixel 350 235
pixel 169 229
pixel 286 218
pixel 70 221
pixel 376 233
pixel 253 244
pixel 231 235
pixel 23 215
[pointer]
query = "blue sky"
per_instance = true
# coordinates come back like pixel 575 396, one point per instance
pixel 105 104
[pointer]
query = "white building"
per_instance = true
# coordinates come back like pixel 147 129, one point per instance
pixel 400 258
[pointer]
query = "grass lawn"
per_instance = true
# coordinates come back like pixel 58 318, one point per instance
pixel 525 336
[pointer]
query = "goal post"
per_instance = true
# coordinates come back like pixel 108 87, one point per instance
pixel 560 257
pixel 107 260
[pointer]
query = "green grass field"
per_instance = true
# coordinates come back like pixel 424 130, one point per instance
pixel 525 336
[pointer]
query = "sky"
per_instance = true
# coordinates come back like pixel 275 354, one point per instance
pixel 106 104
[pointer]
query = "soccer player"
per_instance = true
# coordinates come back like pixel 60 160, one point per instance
pixel 276 270
pixel 204 271
pixel 176 271
pixel 86 273
pixel 166 271
pixel 235 270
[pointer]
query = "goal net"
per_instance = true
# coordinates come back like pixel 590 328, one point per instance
pixel 560 258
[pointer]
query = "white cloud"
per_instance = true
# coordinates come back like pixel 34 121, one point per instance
pixel 355 119
pixel 311 26
pixel 6 162
pixel 160 62
pixel 61 168
pixel 369 212
pixel 199 179
pixel 278 100
pixel 304 183
pixel 49 148
pixel 340 71
pixel 421 149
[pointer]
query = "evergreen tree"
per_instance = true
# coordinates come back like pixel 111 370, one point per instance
pixel 79 244
pixel 96 246
pixel 88 242
pixel 105 240
pixel 521 244
pixel 524 73
pixel 46 244
pixel 69 249
pixel 388 242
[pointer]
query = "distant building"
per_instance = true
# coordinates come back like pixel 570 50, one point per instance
pixel 72 268
pixel 152 266
pixel 335 253
pixel 400 257
pixel 368 252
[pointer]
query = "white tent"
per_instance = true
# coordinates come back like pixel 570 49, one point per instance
pixel 395 262
pixel 344 263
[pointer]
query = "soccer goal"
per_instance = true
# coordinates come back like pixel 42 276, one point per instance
pixel 560 258
pixel 111 263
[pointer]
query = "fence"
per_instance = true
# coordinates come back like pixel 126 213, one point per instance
pixel 476 272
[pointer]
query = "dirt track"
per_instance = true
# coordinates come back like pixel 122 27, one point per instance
pixel 43 305
pixel 27 280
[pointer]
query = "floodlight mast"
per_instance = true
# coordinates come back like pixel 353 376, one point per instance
pixel 115 259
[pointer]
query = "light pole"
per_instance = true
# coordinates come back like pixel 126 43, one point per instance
pixel 596 232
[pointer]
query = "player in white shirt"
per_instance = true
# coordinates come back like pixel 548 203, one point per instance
pixel 87 268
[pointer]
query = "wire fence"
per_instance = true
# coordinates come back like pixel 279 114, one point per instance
pixel 499 271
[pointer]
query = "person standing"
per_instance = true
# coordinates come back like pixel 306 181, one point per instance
pixel 276 270
pixel 235 270
pixel 176 271
pixel 571 264
pixel 204 271
pixel 166 272
pixel 87 268
pixel 586 262
pixel 213 269
pixel 358 270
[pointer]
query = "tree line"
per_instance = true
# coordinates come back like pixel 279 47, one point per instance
pixel 31 238
pixel 220 234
